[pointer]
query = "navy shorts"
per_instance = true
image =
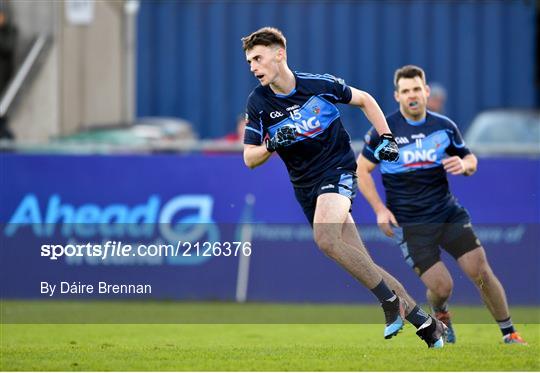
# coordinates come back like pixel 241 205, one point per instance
pixel 420 243
pixel 341 183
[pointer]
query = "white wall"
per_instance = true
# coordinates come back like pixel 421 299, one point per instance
pixel 80 83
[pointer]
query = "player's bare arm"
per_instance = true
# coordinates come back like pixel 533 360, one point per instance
pixel 387 149
pixel 366 184
pixel 461 166
pixel 255 155
pixel 371 110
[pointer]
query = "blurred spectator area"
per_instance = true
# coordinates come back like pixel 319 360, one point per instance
pixel 505 132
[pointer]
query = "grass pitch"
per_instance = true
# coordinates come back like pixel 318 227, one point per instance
pixel 261 347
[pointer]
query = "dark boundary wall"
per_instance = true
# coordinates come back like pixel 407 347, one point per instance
pixel 190 63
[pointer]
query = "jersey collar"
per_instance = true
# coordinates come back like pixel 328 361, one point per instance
pixel 414 123
pixel 278 95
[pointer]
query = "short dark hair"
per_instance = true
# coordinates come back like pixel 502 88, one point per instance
pixel 266 36
pixel 408 72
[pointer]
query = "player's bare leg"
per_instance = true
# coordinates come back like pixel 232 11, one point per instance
pixel 352 237
pixel 474 263
pixel 413 313
pixel 439 285
pixel 331 214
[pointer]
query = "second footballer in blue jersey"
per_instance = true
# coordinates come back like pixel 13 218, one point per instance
pixel 420 212
pixel 417 187
pixel 296 115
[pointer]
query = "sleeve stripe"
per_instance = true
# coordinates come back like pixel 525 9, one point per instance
pixel 261 124
pixel 254 130
pixel 329 94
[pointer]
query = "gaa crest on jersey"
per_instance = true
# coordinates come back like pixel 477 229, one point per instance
pixel 367 136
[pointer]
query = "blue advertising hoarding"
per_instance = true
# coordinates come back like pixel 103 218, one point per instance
pixel 136 199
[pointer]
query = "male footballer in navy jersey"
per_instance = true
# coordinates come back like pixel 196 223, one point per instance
pixel 295 115
pixel 420 212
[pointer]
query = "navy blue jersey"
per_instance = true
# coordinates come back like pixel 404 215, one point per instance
pixel 416 186
pixel 322 144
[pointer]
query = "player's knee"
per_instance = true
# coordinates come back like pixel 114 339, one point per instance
pixel 481 275
pixel 444 289
pixel 326 242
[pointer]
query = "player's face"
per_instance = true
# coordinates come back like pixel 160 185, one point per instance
pixel 412 95
pixel 264 63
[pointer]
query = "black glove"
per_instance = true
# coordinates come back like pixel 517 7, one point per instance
pixel 387 150
pixel 283 137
